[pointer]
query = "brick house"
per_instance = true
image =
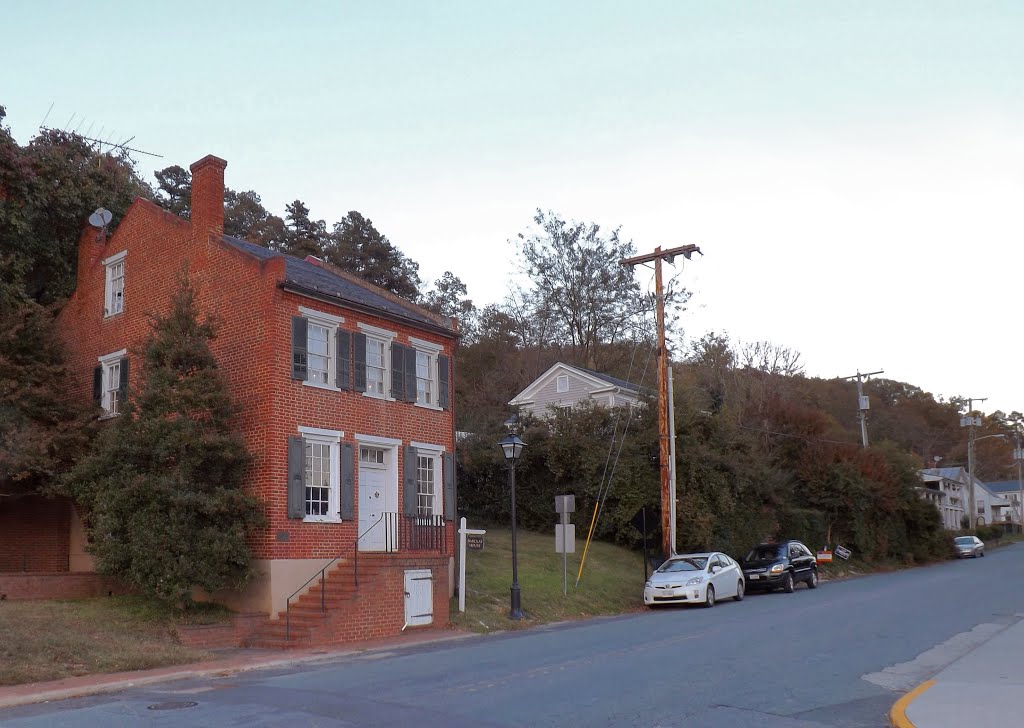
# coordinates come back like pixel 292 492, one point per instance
pixel 344 391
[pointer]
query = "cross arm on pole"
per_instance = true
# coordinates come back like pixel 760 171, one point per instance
pixel 686 251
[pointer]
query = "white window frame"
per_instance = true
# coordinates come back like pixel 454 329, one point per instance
pixel 432 351
pixel 331 438
pixel 384 337
pixel 558 383
pixel 331 323
pixel 110 265
pixel 109 362
pixel 436 452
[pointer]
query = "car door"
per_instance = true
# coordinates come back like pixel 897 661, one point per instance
pixel 724 585
pixel 796 558
pixel 730 573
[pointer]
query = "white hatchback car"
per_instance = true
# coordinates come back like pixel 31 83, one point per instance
pixel 695 579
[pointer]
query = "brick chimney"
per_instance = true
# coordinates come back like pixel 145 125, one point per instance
pixel 208 197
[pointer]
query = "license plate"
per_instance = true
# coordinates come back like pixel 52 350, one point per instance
pixel 754 576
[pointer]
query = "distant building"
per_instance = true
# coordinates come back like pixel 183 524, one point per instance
pixel 948 489
pixel 1010 490
pixel 565 385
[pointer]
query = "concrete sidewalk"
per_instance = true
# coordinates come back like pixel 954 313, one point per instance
pixel 982 689
pixel 228 662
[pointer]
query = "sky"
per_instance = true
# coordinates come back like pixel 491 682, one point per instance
pixel 852 172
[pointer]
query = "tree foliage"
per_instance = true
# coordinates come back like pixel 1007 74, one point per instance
pixel 161 489
pixel 42 429
pixel 48 189
pixel 358 247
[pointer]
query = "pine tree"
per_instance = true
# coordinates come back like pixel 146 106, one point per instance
pixel 162 488
pixel 42 430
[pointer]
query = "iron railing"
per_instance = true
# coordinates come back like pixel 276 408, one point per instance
pixel 401 533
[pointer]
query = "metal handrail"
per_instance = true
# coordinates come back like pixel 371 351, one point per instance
pixel 323 571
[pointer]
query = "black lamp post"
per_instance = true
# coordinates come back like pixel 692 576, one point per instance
pixel 512 447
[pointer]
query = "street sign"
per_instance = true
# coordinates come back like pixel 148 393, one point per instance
pixel 565 504
pixel 842 552
pixel 824 557
pixel 475 542
pixel 565 538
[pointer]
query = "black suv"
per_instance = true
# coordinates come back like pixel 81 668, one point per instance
pixel 771 566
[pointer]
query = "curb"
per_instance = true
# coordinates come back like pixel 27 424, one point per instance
pixel 898 715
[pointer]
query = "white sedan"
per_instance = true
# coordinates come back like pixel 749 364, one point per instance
pixel 695 579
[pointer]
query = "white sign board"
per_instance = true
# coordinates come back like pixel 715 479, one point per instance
pixel 569 546
pixel 843 553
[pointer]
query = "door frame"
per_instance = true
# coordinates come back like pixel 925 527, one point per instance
pixel 390 446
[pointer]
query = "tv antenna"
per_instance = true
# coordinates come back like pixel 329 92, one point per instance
pixel 99 139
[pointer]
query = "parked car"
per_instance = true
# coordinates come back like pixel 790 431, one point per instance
pixel 969 546
pixel 771 566
pixel 695 579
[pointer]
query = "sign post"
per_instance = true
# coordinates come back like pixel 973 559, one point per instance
pixel 565 534
pixel 463 533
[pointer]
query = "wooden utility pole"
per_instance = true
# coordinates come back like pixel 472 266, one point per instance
pixel 862 402
pixel 667 496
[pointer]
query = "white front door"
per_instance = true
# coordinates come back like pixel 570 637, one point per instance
pixel 372 500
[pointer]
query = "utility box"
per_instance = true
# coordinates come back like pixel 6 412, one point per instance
pixel 864 403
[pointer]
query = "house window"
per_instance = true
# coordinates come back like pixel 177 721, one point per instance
pixel 320 476
pixel 321 347
pixel 111 380
pixel 425 385
pixel 562 383
pixel 425 485
pixel 113 299
pixel 376 366
pixel 319 352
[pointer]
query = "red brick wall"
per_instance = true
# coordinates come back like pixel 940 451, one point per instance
pixel 58 586
pixel 34 534
pixel 253 349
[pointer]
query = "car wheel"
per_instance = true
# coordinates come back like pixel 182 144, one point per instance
pixel 787 583
pixel 709 600
pixel 739 591
pixel 812 583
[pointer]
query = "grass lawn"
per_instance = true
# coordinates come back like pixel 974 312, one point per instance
pixel 49 640
pixel 612 581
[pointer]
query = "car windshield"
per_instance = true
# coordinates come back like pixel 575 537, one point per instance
pixel 965 540
pixel 763 553
pixel 693 563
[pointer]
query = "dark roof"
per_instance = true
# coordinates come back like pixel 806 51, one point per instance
pixel 1003 486
pixel 309 278
pixel 622 383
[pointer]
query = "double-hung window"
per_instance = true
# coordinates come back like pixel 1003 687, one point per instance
pixel 425 485
pixel 427 372
pixel 376 366
pixel 320 349
pixel 110 382
pixel 373 354
pixel 113 297
pixel 321 473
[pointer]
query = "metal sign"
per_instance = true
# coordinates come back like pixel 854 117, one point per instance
pixel 565 538
pixel 475 542
pixel 824 557
pixel 565 504
pixel 843 553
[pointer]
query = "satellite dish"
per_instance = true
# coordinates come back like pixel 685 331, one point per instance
pixel 101 218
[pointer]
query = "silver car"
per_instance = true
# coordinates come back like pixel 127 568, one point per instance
pixel 969 546
pixel 695 579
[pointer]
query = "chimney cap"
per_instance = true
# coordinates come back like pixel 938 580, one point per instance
pixel 208 160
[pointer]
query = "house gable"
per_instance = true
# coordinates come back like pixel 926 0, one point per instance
pixel 577 385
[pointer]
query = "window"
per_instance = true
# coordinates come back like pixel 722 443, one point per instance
pixel 376 366
pixel 319 349
pixel 425 378
pixel 562 383
pixel 320 476
pixel 111 382
pixel 371 455
pixel 425 491
pixel 113 299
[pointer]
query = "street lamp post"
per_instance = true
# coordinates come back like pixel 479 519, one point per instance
pixel 512 447
pixel 973 517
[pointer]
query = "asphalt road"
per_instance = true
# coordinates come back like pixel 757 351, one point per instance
pixel 837 656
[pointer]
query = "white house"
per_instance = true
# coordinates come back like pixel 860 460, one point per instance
pixel 564 385
pixel 940 487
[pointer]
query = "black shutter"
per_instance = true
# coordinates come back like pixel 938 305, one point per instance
pixel 342 350
pixel 397 371
pixel 443 377
pixel 409 492
pixel 296 471
pixel 299 368
pixel 359 362
pixel 348 481
pixel 449 486
pixel 122 385
pixel 410 375
pixel 97 384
